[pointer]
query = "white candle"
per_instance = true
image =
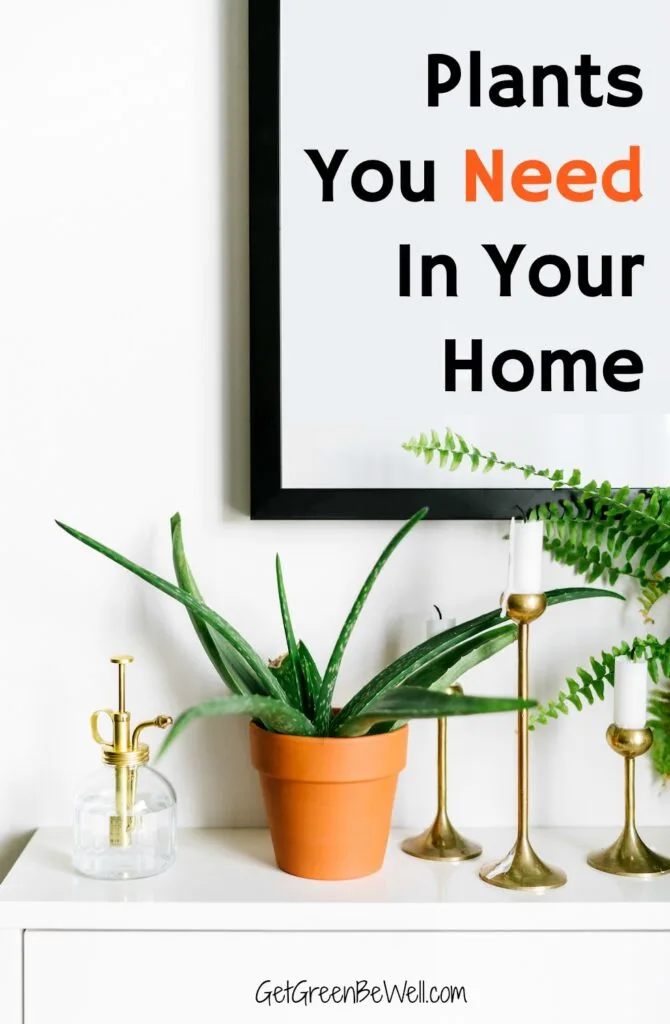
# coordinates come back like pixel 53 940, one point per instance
pixel 525 562
pixel 438 625
pixel 630 693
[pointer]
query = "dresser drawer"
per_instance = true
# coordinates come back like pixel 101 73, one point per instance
pixel 478 977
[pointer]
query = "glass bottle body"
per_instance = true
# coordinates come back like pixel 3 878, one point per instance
pixel 125 824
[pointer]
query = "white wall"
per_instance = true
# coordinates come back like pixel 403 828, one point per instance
pixel 123 397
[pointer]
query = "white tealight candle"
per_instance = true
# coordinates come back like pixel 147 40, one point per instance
pixel 525 565
pixel 630 693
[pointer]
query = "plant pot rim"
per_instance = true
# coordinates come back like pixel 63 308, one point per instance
pixel 330 759
pixel 327 739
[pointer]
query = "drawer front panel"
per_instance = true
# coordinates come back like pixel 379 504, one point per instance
pixel 11 953
pixel 215 977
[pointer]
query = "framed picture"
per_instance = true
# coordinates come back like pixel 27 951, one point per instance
pixel 456 222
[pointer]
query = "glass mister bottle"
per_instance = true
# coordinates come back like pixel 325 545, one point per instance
pixel 125 821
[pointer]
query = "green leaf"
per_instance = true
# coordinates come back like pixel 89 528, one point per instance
pixel 223 657
pixel 282 670
pixel 446 670
pixel 466 656
pixel 276 715
pixel 325 696
pixel 294 689
pixel 564 594
pixel 206 614
pixel 311 678
pixel 429 655
pixel 411 702
pixel 596 502
pixel 594 684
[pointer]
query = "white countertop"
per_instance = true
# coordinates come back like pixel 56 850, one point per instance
pixel 226 879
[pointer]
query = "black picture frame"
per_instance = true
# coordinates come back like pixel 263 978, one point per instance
pixel 269 499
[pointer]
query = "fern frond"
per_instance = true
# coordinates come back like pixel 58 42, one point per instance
pixel 600 532
pixel 652 591
pixel 590 548
pixel 452 450
pixel 644 510
pixel 603 534
pixel 591 685
pixel 598 537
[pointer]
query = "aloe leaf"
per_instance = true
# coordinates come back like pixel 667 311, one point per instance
pixel 276 715
pixel 283 672
pixel 448 669
pixel 206 614
pixel 421 657
pixel 465 657
pixel 311 678
pixel 413 702
pixel 225 660
pixel 443 671
pixel 564 594
pixel 292 676
pixel 431 652
pixel 325 696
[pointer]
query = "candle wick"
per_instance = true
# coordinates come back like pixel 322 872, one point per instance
pixel 439 613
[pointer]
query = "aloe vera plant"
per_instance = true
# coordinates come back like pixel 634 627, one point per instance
pixel 291 696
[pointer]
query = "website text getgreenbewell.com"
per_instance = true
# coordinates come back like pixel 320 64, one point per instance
pixel 410 993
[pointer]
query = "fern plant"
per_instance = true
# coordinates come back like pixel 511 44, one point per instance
pixel 290 695
pixel 603 534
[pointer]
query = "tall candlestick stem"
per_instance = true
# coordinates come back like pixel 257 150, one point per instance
pixel 441 841
pixel 522 734
pixel 522 870
pixel 442 771
pixel 630 795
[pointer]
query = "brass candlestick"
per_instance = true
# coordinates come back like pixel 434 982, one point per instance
pixel 441 841
pixel 522 870
pixel 629 855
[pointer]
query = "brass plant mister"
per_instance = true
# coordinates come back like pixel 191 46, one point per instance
pixel 125 754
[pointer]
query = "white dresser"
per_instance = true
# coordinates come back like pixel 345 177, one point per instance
pixel 225 936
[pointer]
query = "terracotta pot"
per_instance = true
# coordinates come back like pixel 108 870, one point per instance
pixel 329 801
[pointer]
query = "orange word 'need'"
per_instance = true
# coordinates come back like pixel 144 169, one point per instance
pixel 575 180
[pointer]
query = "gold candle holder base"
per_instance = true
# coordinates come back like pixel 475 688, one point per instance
pixel 522 870
pixel 629 856
pixel 441 841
